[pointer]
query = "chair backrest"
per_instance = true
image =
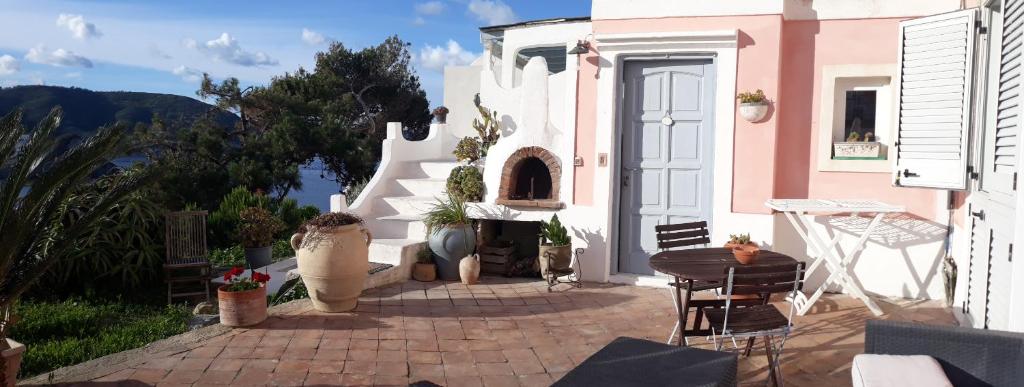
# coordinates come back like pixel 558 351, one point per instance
pixel 682 235
pixel 185 236
pixel 763 280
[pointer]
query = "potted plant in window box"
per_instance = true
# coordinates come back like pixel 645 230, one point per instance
pixel 451 235
pixel 424 270
pixel 441 114
pixel 242 301
pixel 332 252
pixel 555 247
pixel 256 229
pixel 857 148
pixel 753 106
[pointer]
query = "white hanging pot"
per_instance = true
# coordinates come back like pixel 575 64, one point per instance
pixel 753 111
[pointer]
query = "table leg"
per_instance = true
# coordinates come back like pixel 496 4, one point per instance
pixel 683 306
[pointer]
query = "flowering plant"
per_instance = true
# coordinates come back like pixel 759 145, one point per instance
pixel 237 283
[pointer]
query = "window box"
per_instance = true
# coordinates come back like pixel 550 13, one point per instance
pixel 857 103
pixel 857 151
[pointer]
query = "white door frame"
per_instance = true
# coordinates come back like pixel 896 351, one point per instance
pixel 613 50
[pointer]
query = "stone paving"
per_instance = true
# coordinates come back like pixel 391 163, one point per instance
pixel 504 332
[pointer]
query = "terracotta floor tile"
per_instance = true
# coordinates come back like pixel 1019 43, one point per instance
pixel 193 364
pixel 392 368
pixel 298 353
pixel 260 364
pixel 425 370
pixel 287 378
pixel 182 376
pixel 488 356
pixel 360 367
pixel 150 376
pixel 207 352
pixel 540 380
pixel 363 344
pixel 500 381
pixel 422 345
pixel 390 381
pixel 356 380
pixel 226 365
pixel 326 366
pixel 383 355
pixel 361 355
pixel 486 369
pixel 421 357
pixel 314 379
pixel 463 381
pixel 292 366
pixel 217 377
pixel 392 345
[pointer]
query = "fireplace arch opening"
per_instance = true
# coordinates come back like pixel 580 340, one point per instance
pixel 530 178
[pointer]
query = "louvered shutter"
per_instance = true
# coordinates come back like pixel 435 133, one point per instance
pixel 936 59
pixel 1002 139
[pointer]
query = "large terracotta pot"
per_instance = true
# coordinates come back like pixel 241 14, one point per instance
pixel 333 263
pixel 12 361
pixel 242 309
pixel 450 244
pixel 561 258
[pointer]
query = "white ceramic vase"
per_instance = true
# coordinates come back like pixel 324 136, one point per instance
pixel 753 111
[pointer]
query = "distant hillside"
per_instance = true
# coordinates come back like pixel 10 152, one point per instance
pixel 86 110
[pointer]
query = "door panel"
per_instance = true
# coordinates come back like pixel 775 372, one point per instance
pixel 667 133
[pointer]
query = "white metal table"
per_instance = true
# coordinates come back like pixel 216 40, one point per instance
pixel 827 254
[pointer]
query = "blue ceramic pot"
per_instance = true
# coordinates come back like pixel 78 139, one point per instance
pixel 449 245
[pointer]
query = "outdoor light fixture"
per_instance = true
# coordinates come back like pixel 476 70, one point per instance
pixel 582 47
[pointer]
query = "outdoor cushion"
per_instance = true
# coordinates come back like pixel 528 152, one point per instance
pixel 898 371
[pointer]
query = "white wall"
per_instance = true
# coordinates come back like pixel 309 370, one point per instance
pixel 791 9
pixel 461 84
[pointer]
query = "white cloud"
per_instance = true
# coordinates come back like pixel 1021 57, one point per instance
pixel 226 49
pixel 188 74
pixel 9 65
pixel 492 12
pixel 59 57
pixel 419 21
pixel 80 29
pixel 312 38
pixel 430 8
pixel 436 57
pixel 74 74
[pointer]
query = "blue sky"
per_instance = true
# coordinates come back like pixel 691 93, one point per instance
pixel 163 46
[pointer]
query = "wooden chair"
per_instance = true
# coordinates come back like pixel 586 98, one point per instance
pixel 686 235
pixel 187 259
pixel 756 321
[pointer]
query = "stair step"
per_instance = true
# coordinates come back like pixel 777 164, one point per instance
pixel 403 218
pixel 424 186
pixel 410 204
pixel 438 169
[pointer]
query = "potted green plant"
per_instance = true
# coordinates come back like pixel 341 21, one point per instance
pixel 753 106
pixel 466 183
pixel 332 252
pixel 441 114
pixel 451 235
pixel 738 240
pixel 424 270
pixel 256 229
pixel 555 246
pixel 45 214
pixel 242 301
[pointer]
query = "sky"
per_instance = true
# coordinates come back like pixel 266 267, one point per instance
pixel 165 46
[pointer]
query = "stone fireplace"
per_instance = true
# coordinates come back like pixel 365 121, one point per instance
pixel 531 177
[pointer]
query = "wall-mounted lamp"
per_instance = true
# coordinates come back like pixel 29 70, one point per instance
pixel 582 47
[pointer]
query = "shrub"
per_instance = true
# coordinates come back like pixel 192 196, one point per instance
pixel 70 332
pixel 235 255
pixel 446 213
pixel 224 220
pixel 257 227
pixel 353 190
pixel 466 183
pixel 554 232
pixel 293 216
pixel 468 149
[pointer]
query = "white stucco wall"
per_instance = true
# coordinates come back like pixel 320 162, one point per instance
pixel 791 9
pixel 461 84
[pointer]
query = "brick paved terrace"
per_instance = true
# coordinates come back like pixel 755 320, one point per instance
pixel 503 332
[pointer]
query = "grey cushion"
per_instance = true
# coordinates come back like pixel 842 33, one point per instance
pixel 897 371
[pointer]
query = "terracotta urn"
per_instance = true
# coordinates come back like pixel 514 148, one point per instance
pixel 746 254
pixel 244 308
pixel 469 269
pixel 424 272
pixel 12 361
pixel 333 263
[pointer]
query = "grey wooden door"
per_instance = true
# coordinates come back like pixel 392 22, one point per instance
pixel 667 145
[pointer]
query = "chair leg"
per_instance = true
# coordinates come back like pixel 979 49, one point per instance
pixel 750 346
pixel 675 306
pixel 772 379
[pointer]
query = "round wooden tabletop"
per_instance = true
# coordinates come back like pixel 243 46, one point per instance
pixel 708 264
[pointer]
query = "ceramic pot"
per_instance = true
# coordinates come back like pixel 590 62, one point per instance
pixel 753 111
pixel 424 272
pixel 560 258
pixel 333 263
pixel 450 244
pixel 746 254
pixel 258 257
pixel 729 245
pixel 469 269
pixel 242 309
pixel 12 361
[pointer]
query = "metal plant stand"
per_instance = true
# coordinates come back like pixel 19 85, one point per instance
pixel 571 274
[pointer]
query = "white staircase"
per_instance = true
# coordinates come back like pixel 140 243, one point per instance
pixel 396 217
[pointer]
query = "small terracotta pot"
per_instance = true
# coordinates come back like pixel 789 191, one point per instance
pixel 242 309
pixel 729 245
pixel 424 272
pixel 746 254
pixel 12 361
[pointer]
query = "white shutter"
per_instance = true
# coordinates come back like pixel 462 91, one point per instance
pixel 1001 141
pixel 936 62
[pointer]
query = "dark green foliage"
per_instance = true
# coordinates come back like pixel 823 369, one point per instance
pixel 354 189
pixel 224 221
pixel 424 255
pixel 468 149
pixel 235 255
pixel 293 289
pixel 294 216
pixel 447 212
pixel 257 226
pixel 466 183
pixel 71 332
pixel 554 233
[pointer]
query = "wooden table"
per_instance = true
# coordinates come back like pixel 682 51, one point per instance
pixel 706 264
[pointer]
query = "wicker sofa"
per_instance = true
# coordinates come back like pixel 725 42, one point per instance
pixel 969 357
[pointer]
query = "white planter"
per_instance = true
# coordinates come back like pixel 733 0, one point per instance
pixel 753 111
pixel 858 149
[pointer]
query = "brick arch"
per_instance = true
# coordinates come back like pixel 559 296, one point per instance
pixel 511 170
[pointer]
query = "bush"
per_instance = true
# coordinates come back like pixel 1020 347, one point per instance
pixel 294 216
pixel 71 332
pixel 256 227
pixel 353 190
pixel 466 183
pixel 235 255
pixel 468 149
pixel 224 220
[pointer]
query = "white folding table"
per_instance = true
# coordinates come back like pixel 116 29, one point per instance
pixel 827 254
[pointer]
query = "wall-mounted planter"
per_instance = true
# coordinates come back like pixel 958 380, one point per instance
pixel 857 150
pixel 753 111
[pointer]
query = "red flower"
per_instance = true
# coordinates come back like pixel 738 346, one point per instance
pixel 237 270
pixel 260 277
pixel 227 276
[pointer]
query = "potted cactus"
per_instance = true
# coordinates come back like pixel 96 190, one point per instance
pixel 555 247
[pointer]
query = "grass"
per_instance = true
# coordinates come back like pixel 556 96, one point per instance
pixel 60 334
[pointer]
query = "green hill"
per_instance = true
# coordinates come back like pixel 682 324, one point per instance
pixel 86 110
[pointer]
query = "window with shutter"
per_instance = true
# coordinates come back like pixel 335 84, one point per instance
pixel 935 77
pixel 1004 110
